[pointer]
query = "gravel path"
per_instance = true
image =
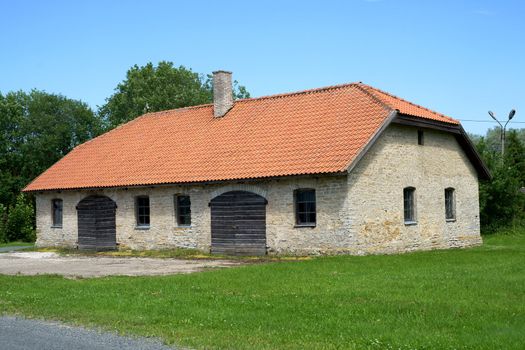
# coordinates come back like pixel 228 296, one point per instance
pixel 22 334
pixel 36 263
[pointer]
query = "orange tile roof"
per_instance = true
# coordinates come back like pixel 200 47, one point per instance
pixel 308 132
pixel 409 108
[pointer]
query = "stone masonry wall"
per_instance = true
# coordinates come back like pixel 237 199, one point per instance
pixel 165 233
pixel 396 161
pixel 358 214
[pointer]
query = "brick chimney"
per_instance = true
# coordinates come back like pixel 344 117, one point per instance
pixel 222 93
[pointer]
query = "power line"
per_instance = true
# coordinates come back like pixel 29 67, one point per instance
pixel 486 121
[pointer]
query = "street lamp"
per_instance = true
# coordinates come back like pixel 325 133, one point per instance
pixel 503 128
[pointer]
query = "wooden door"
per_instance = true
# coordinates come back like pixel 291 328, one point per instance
pixel 238 224
pixel 96 223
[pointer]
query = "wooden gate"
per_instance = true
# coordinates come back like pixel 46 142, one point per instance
pixel 238 224
pixel 96 223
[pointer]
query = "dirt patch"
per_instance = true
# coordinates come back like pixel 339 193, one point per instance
pixel 38 263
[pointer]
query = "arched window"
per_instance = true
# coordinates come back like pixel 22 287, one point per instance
pixel 450 204
pixel 409 204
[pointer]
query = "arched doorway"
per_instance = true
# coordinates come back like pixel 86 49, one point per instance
pixel 238 224
pixel 96 223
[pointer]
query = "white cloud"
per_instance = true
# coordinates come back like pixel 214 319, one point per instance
pixel 483 12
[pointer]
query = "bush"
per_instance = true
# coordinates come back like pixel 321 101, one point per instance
pixel 19 225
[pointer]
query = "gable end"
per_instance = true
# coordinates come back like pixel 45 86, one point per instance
pixel 460 134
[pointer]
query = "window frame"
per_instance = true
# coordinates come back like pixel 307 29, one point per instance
pixel 450 203
pixel 178 207
pixel 306 213
pixel 147 214
pixel 54 223
pixel 409 197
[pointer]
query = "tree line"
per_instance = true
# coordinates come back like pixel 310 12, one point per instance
pixel 38 128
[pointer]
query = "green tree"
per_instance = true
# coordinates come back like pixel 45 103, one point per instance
pixel 152 88
pixel 501 202
pixel 521 135
pixel 36 130
pixel 10 141
pixel 20 220
pixel 3 218
pixel 493 137
pixel 52 126
pixel 515 156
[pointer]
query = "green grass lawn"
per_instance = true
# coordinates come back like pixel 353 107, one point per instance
pixel 456 299
pixel 13 244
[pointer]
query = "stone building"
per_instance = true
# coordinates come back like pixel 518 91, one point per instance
pixel 341 169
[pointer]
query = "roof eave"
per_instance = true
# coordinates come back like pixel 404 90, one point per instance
pixel 475 157
pixel 188 183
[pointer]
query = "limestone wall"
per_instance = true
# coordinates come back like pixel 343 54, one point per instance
pixel 397 161
pixel 165 233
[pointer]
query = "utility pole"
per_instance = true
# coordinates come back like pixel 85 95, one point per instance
pixel 503 129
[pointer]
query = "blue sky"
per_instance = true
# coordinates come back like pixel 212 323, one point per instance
pixel 460 58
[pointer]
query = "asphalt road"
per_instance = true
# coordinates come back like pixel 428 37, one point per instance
pixel 22 334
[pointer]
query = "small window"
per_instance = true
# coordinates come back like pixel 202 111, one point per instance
pixel 305 211
pixel 409 205
pixel 183 210
pixel 420 137
pixel 57 205
pixel 450 204
pixel 142 211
